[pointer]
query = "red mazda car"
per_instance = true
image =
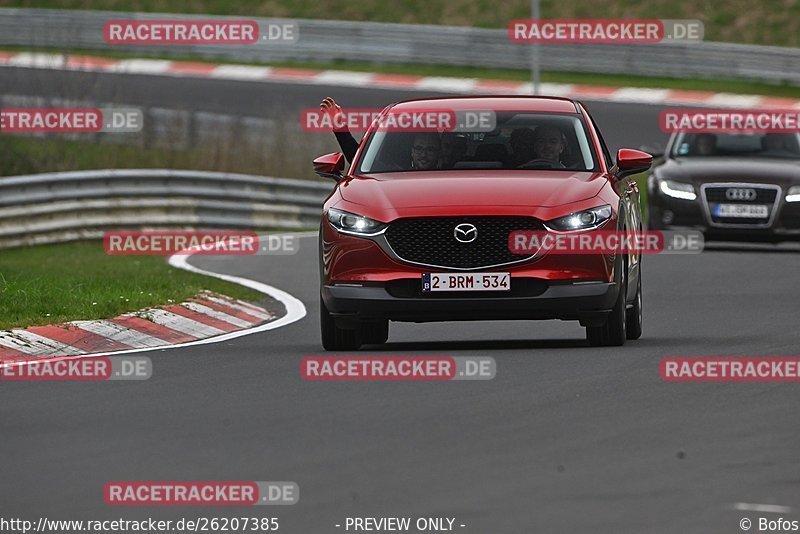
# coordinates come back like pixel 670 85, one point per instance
pixel 418 228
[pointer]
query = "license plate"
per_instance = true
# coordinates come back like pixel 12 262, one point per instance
pixel 466 281
pixel 742 211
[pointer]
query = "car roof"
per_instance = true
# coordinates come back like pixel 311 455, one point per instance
pixel 546 104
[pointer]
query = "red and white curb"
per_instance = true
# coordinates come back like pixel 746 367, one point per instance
pixel 441 84
pixel 204 316
pixel 208 318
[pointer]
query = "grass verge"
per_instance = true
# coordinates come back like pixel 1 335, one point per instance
pixel 28 155
pixel 51 284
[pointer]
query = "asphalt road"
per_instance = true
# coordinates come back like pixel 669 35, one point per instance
pixel 566 438
pixel 623 124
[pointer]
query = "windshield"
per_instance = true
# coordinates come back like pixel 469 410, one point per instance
pixel 755 145
pixel 521 140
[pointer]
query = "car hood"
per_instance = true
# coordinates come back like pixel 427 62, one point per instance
pixel 387 191
pixel 700 170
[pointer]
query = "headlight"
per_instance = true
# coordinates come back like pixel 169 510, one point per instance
pixel 793 194
pixel 678 190
pixel 581 220
pixel 350 223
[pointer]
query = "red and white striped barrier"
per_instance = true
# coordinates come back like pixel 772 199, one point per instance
pixel 252 73
pixel 204 316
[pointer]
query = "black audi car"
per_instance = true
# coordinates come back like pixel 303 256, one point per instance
pixel 730 186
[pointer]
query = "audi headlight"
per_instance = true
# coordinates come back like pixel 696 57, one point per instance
pixel 678 190
pixel 793 194
pixel 581 220
pixel 350 223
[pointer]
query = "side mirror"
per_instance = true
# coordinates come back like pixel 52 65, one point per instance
pixel 330 166
pixel 631 162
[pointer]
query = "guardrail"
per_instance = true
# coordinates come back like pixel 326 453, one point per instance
pixel 57 207
pixel 176 128
pixel 328 40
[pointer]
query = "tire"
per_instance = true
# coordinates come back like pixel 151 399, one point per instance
pixel 634 315
pixel 375 333
pixel 596 335
pixel 333 337
pixel 614 332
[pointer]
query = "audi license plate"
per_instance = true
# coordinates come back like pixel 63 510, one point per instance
pixel 466 281
pixel 742 211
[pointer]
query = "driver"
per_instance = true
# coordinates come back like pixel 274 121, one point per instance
pixel 705 144
pixel 548 145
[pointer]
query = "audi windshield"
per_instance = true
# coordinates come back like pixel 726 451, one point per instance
pixel 755 145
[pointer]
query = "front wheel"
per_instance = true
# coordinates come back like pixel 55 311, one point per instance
pixel 614 332
pixel 333 337
pixel 634 315
pixel 376 333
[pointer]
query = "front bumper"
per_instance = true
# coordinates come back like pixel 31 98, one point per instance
pixel 538 299
pixel 674 214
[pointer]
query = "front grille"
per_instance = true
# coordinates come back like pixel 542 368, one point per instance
pixel 766 195
pixel 431 240
pixel 763 196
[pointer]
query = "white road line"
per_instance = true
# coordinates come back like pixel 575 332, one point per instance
pixel 557 89
pixel 37 345
pixel 547 88
pixel 734 100
pixel 446 84
pixel 142 66
pixel 128 336
pixel 241 72
pixel 637 94
pixel 242 307
pixel 182 324
pixel 765 508
pixel 343 77
pixel 38 61
pixel 211 312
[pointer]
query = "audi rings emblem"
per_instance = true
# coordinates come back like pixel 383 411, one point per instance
pixel 741 194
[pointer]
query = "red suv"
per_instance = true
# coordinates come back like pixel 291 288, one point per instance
pixel 418 228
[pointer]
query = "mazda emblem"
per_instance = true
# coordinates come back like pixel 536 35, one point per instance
pixel 465 233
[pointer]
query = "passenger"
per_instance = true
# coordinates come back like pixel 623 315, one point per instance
pixel 425 151
pixel 347 142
